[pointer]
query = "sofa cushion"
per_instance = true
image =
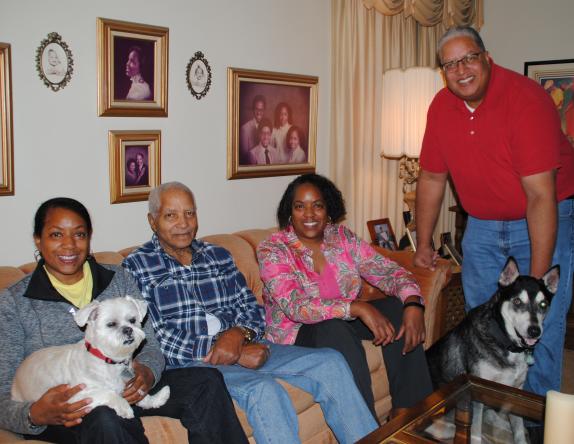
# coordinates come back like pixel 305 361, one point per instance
pixel 244 258
pixel 9 276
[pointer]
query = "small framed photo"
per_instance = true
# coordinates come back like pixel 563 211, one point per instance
pixel 449 249
pixel 6 134
pixel 382 234
pixel 557 78
pixel 54 62
pixel 132 69
pixel 198 75
pixel 135 164
pixel 271 123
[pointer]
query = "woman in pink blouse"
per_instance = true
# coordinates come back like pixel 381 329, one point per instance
pixel 312 271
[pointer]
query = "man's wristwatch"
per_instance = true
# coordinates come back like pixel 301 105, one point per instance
pixel 248 334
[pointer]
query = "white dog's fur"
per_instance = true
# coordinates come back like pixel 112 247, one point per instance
pixel 114 328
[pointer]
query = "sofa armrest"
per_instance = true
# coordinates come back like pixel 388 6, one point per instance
pixel 431 283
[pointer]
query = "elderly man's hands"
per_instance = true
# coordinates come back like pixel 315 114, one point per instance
pixel 230 349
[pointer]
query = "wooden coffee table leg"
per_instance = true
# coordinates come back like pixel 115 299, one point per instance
pixel 463 421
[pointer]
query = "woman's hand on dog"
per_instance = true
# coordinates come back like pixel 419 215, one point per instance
pixel 53 407
pixel 138 387
pixel 413 328
pixel 382 329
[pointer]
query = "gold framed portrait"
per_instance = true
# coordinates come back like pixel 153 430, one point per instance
pixel 6 131
pixel 135 164
pixel 271 123
pixel 132 69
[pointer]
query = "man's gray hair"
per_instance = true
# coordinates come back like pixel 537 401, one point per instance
pixel 459 31
pixel 154 199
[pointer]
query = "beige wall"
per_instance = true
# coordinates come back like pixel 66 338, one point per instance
pixel 61 144
pixel 517 31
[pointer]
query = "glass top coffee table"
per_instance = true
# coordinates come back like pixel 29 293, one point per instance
pixel 446 415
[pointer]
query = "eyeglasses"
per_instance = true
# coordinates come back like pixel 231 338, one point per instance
pixel 469 59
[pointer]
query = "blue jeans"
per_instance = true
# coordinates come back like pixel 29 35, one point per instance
pixel 321 372
pixel 486 245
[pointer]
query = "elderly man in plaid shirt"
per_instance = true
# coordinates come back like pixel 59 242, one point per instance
pixel 204 314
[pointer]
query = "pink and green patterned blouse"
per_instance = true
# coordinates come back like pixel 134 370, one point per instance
pixel 295 294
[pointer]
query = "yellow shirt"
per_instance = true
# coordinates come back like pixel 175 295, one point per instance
pixel 80 293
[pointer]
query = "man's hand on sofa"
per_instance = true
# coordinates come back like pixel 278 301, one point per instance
pixel 254 355
pixel 227 349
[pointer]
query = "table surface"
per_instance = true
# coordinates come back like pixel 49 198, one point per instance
pixel 410 427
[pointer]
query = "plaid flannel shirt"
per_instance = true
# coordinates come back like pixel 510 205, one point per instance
pixel 179 297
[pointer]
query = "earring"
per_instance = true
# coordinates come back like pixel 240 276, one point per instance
pixel 37 255
pixel 290 220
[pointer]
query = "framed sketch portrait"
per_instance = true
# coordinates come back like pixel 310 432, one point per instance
pixel 271 123
pixel 198 75
pixel 382 234
pixel 557 78
pixel 54 62
pixel 132 69
pixel 135 164
pixel 6 135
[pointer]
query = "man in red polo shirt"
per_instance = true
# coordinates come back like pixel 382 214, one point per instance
pixel 498 135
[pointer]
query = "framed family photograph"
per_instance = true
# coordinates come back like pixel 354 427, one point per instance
pixel 54 62
pixel 132 69
pixel 198 75
pixel 382 234
pixel 557 78
pixel 6 134
pixel 135 164
pixel 271 123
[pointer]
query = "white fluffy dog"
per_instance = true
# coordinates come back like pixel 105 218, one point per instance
pixel 100 361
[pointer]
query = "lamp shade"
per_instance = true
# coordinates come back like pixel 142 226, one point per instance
pixel 406 97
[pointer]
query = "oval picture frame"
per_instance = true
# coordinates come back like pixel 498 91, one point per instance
pixel 54 62
pixel 198 75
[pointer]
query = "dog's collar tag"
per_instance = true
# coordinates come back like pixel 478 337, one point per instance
pixel 98 354
pixel 529 357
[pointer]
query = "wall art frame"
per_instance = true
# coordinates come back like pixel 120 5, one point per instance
pixel 54 62
pixel 6 127
pixel 255 98
pixel 198 75
pixel 557 78
pixel 132 69
pixel 135 164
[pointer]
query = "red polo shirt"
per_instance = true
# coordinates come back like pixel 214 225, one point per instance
pixel 514 132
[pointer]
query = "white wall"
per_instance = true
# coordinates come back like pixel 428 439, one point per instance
pixel 518 31
pixel 60 144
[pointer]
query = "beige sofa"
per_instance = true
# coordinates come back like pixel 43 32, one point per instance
pixel 312 427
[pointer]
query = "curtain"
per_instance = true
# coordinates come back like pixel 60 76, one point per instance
pixel 366 43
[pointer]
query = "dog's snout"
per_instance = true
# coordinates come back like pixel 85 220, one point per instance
pixel 128 331
pixel 534 331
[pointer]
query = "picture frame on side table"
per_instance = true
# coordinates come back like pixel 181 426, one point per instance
pixel 54 62
pixel 271 123
pixel 6 128
pixel 382 234
pixel 132 69
pixel 557 78
pixel 135 164
pixel 412 236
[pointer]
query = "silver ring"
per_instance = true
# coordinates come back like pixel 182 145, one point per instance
pixel 141 392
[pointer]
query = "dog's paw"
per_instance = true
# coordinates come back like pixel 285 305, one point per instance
pixel 155 401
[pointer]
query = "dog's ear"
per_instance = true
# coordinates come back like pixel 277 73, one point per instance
pixel 141 306
pixel 551 279
pixel 88 312
pixel 509 273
